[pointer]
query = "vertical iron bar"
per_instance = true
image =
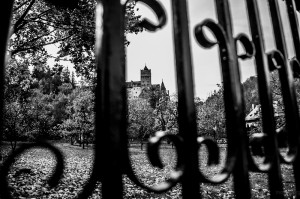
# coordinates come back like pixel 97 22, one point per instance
pixel 286 79
pixel 4 33
pixel 110 100
pixel 297 4
pixel 186 106
pixel 296 41
pixel 234 106
pixel 265 95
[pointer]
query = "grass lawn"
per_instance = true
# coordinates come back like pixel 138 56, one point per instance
pixel 79 162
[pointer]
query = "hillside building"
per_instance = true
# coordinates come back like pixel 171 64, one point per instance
pixel 141 90
pixel 254 117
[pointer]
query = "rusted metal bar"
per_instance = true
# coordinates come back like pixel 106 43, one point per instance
pixel 234 105
pixel 268 120
pixel 110 98
pixel 186 107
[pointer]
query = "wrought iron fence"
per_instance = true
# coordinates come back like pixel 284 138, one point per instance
pixel 111 152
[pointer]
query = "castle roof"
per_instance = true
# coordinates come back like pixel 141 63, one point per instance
pixel 162 86
pixel 133 84
pixel 145 68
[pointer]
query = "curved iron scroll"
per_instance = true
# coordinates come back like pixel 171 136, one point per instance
pixel 153 152
pixel 159 12
pixel 54 179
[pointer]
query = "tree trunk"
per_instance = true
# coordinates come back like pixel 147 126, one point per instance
pixel 80 140
pixel 15 145
pixel 72 141
pixel 13 142
pixel 163 123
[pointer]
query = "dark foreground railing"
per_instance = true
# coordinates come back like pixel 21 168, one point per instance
pixel 111 152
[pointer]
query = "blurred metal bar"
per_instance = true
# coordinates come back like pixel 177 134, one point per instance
pixel 297 4
pixel 234 105
pixel 110 97
pixel 294 25
pixel 186 106
pixel 265 95
pixel 6 10
pixel 287 89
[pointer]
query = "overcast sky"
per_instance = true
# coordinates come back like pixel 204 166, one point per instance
pixel 157 52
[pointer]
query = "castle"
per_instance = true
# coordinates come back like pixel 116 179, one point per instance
pixel 142 89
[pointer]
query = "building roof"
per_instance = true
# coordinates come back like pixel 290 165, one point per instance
pixel 155 87
pixel 162 87
pixel 145 68
pixel 255 113
pixel 133 84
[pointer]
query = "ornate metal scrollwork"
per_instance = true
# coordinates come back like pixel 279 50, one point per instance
pixel 224 49
pixel 153 153
pixel 53 180
pixel 159 12
pixel 154 142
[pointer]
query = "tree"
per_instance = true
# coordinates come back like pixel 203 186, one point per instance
pixel 141 120
pixel 250 89
pixel 17 80
pixel 37 23
pixel 59 111
pixel 51 80
pixel 65 75
pixel 211 115
pixel 80 124
pixel 277 96
pixel 66 88
pixel 73 81
pixel 17 91
pixel 166 113
pixel 35 102
pixel 41 116
pixel 154 96
pixel 13 120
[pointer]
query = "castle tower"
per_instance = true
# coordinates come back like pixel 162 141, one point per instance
pixel 163 90
pixel 162 86
pixel 145 77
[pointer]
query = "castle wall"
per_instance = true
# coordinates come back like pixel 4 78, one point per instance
pixel 134 93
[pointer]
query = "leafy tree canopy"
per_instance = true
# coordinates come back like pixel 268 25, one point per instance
pixel 37 23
